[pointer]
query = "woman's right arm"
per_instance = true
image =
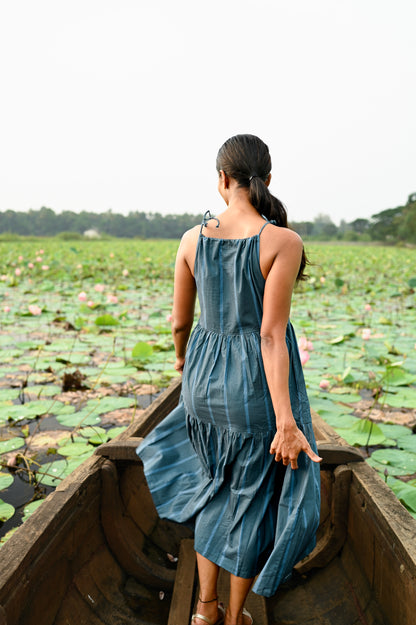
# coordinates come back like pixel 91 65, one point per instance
pixel 289 441
pixel 184 295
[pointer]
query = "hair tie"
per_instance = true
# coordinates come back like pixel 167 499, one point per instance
pixel 253 176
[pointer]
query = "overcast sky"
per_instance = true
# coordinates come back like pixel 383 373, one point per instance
pixel 123 104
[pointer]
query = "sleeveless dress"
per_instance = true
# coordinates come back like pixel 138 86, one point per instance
pixel 208 462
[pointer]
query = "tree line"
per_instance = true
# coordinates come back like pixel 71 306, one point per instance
pixel 393 225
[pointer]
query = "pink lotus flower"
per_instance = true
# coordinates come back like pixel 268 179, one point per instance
pixel 90 303
pixel 169 318
pixel 39 259
pixel 17 271
pixel 30 265
pixel 304 344
pixel 324 385
pixel 304 356
pixel 82 296
pixel 20 259
pixel 41 252
pixel 366 334
pixel 367 307
pixel 125 272
pixel 35 310
pixel 99 288
pixel 7 309
pixel 112 299
pixel 322 279
pixel 3 277
pixel 45 267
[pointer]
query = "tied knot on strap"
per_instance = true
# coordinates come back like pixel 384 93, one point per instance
pixel 208 217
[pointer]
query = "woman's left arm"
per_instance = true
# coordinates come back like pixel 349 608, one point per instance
pixel 184 296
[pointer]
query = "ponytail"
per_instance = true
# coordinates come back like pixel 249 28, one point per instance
pixel 246 158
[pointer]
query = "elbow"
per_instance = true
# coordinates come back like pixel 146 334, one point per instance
pixel 272 339
pixel 181 326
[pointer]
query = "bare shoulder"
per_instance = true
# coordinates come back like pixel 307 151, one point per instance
pixel 189 238
pixel 283 240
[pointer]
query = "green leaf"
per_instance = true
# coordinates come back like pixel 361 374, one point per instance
pixel 73 449
pixel 392 430
pixel 385 469
pixel 403 398
pixel 29 509
pixel 52 473
pixel 6 480
pixel 338 339
pixel 6 511
pixel 408 443
pixel 83 417
pixel 405 460
pixel 142 351
pixel 405 493
pixel 11 444
pixel 397 376
pixel 106 320
pixel 363 432
pixel 113 432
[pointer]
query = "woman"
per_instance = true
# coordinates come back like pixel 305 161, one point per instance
pixel 237 456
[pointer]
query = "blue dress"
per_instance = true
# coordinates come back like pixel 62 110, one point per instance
pixel 208 462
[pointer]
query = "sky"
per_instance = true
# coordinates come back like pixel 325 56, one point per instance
pixel 124 104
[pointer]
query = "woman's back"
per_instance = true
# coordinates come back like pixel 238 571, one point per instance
pixel 230 283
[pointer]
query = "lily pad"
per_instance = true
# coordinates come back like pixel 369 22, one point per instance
pixel 73 449
pixel 404 398
pixel 408 443
pixel 81 418
pixel 106 320
pixel 142 351
pixel 6 511
pixel 405 460
pixel 391 430
pixel 6 480
pixel 52 473
pixel 11 444
pixel 113 432
pixel 29 509
pixel 385 469
pixel 362 433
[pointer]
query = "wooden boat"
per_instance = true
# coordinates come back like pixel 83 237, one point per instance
pixel 96 552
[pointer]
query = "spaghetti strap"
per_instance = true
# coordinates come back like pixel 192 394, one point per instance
pixel 263 226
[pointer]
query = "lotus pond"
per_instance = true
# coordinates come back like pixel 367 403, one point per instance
pixel 85 342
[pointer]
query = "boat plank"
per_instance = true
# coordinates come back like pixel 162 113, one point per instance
pixel 183 591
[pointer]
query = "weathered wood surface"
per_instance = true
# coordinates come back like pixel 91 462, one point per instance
pixel 382 539
pixel 184 589
pixel 120 450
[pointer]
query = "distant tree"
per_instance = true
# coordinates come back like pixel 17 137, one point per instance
pixel 406 230
pixel 323 227
pixel 303 228
pixel 384 226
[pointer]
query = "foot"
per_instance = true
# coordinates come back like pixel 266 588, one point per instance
pixel 213 611
pixel 244 618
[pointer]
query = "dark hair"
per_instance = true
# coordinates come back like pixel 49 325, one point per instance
pixel 246 158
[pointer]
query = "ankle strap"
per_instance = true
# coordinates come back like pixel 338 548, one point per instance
pixel 209 601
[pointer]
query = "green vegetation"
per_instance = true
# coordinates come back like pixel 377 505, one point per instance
pixel 85 339
pixel 394 225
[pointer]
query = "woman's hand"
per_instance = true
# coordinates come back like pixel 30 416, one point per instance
pixel 179 364
pixel 287 444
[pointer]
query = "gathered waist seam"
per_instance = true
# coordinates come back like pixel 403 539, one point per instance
pixel 225 334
